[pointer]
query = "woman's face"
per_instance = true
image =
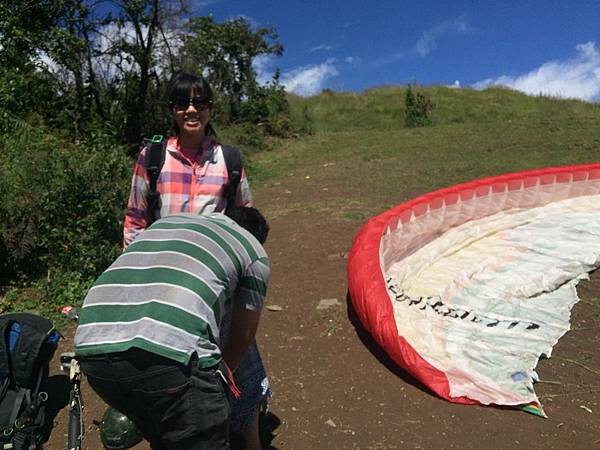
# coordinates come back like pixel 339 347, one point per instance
pixel 191 115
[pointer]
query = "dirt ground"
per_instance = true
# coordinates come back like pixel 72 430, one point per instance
pixel 335 389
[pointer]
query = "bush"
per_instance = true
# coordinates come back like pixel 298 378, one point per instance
pixel 268 108
pixel 246 136
pixel 63 289
pixel 306 123
pixel 48 294
pixel 23 300
pixel 62 204
pixel 24 94
pixel 418 109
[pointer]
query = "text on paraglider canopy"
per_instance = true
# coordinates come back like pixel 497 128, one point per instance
pixel 435 304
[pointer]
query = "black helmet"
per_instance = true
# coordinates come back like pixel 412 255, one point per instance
pixel 117 431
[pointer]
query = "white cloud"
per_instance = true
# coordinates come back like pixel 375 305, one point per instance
pixel 427 42
pixel 351 59
pixel 304 81
pixel 309 80
pixel 455 85
pixel 431 36
pixel 104 42
pixel 578 77
pixel 263 66
pixel 108 64
pixel 321 48
pixel 47 62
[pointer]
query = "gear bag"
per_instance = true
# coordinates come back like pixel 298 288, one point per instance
pixel 27 343
pixel 155 158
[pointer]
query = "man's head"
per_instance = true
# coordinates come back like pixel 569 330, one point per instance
pixel 251 220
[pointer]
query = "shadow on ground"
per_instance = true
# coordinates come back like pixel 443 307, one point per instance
pixel 267 424
pixel 57 387
pixel 377 351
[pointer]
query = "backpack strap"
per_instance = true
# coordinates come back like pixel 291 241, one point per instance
pixel 5 324
pixel 16 409
pixel 25 359
pixel 234 163
pixel 155 158
pixel 19 441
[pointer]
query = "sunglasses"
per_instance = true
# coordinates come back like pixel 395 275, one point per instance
pixel 200 104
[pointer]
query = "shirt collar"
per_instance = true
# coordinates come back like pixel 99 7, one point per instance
pixel 191 155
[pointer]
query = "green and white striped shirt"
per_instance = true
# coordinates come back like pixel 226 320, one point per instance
pixel 170 290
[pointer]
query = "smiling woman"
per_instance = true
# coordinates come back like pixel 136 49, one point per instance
pixel 194 176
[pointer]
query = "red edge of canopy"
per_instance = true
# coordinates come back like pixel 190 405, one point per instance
pixel 366 284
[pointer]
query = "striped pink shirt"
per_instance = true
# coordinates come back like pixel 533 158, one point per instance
pixel 191 181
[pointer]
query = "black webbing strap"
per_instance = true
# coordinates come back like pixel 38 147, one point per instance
pixel 4 355
pixel 233 160
pixel 19 440
pixel 155 158
pixel 14 414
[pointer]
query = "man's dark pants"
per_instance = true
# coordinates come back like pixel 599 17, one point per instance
pixel 174 406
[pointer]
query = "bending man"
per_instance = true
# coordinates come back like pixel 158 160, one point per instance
pixel 148 336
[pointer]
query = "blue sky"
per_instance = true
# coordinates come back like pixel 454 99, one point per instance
pixel 550 47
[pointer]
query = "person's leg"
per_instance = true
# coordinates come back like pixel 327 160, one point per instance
pixel 253 383
pixel 201 414
pixel 214 438
pixel 111 377
pixel 174 406
pixel 129 408
pixel 251 436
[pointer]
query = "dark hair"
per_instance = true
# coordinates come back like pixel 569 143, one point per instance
pixel 180 86
pixel 251 220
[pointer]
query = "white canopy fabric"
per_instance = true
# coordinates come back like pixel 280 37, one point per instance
pixel 482 299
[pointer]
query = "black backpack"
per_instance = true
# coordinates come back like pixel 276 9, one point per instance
pixel 155 158
pixel 27 343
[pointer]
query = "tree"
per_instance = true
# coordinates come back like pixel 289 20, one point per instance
pixel 143 17
pixel 418 109
pixel 24 30
pixel 70 48
pixel 109 70
pixel 110 66
pixel 225 52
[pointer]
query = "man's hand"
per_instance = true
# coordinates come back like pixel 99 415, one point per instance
pixel 242 330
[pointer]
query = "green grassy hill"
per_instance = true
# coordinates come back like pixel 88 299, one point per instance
pixel 359 161
pixel 473 134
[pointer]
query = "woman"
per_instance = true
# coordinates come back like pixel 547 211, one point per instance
pixel 194 175
pixel 193 180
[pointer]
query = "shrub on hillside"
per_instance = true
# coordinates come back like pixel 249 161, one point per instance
pixel 305 123
pixel 62 204
pixel 418 109
pixel 267 107
pixel 46 295
pixel 246 136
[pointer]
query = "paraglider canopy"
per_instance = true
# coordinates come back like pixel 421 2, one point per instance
pixel 467 286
